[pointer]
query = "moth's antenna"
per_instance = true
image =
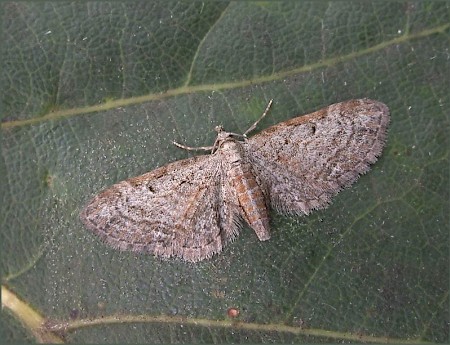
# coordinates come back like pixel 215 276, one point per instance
pixel 190 148
pixel 252 127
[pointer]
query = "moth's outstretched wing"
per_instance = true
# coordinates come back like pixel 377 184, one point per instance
pixel 176 210
pixel 305 161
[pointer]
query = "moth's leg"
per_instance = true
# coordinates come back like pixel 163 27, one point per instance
pixel 219 129
pixel 243 136
pixel 189 148
pixel 252 127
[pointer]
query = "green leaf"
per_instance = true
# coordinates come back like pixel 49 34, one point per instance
pixel 93 93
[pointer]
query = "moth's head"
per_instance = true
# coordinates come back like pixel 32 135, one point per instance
pixel 224 137
pixel 219 129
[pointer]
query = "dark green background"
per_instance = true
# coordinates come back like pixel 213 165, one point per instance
pixel 376 262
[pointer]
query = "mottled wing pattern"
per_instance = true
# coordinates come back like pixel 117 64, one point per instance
pixel 176 210
pixel 305 161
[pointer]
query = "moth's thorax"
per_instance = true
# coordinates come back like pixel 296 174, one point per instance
pixel 249 193
pixel 232 149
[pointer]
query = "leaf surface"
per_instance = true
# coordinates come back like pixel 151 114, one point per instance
pixel 93 93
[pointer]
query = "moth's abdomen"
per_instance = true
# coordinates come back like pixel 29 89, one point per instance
pixel 251 200
pixel 249 193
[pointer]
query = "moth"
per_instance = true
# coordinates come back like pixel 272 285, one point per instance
pixel 190 209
